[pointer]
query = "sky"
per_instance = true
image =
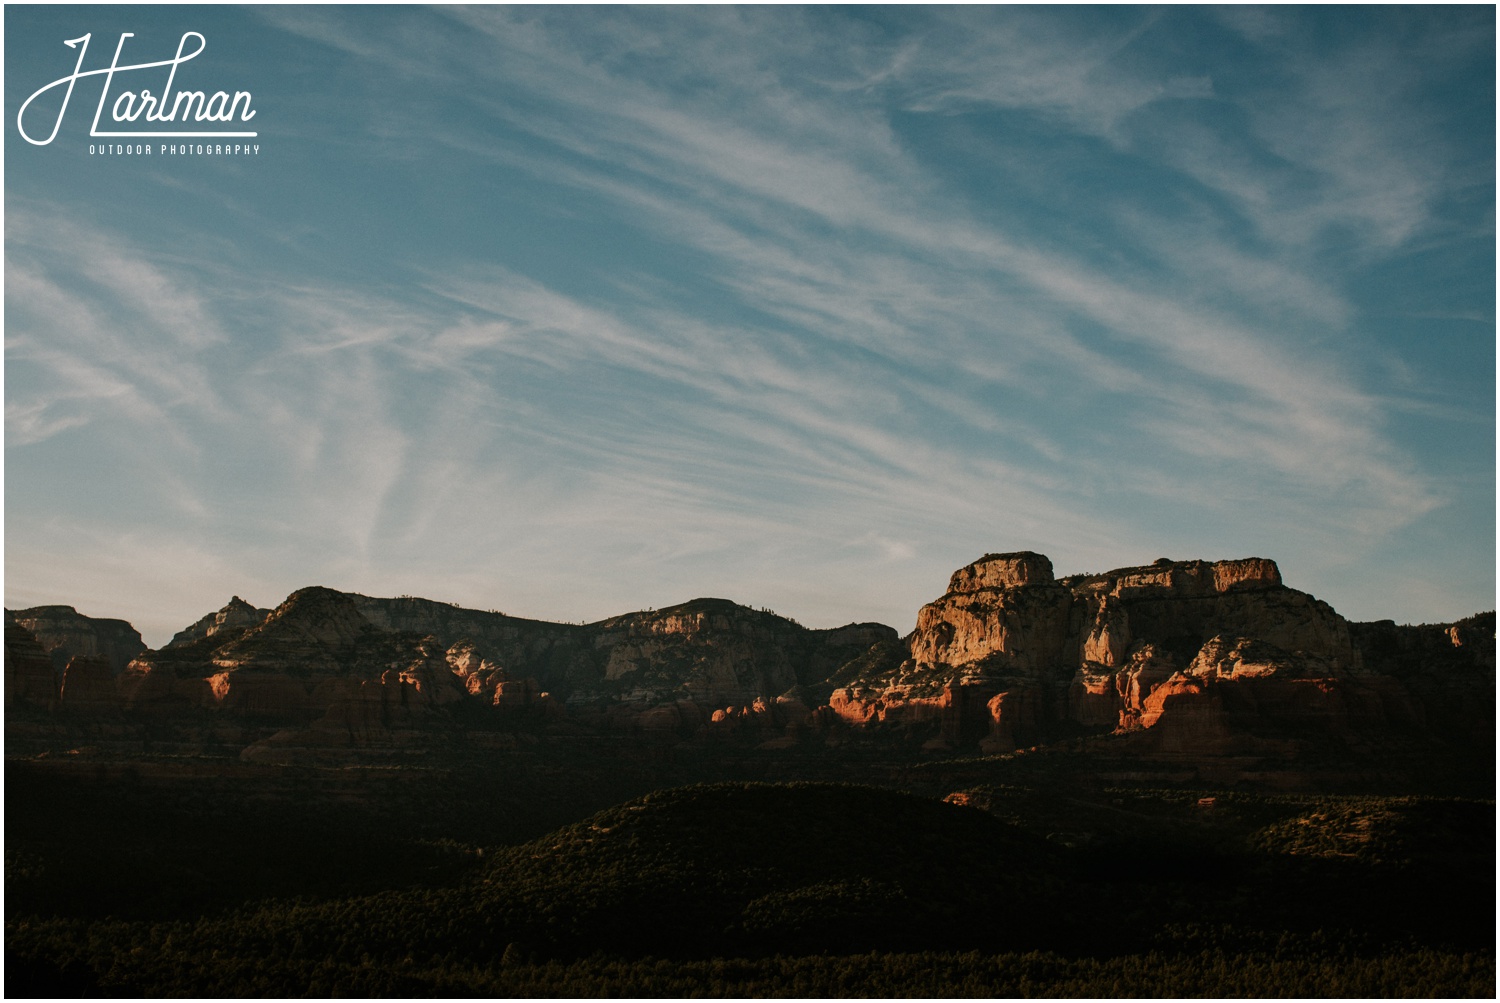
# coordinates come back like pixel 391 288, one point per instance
pixel 568 312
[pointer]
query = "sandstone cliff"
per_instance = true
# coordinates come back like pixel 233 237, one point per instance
pixel 63 632
pixel 88 685
pixel 30 679
pixel 1195 655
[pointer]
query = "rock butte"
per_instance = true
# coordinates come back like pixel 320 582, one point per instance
pixel 1176 658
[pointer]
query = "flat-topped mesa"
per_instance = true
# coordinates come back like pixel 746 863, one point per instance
pixel 1181 579
pixel 1002 571
pixel 63 632
pixel 1014 653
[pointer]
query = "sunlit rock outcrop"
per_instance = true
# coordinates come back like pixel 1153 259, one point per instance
pixel 1195 653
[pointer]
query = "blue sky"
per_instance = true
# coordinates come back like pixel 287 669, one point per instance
pixel 568 312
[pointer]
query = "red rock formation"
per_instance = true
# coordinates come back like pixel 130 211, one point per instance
pixel 1179 606
pixel 237 615
pixel 1017 717
pixel 1002 571
pixel 63 632
pixel 1186 715
pixel 518 694
pixel 289 666
pixel 1195 651
pixel 479 675
pixel 1246 658
pixel 1016 631
pixel 1181 579
pixel 1095 700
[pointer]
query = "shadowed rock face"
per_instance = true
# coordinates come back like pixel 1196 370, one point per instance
pixel 30 679
pixel 63 632
pixel 1448 670
pixel 88 685
pixel 316 632
pixel 315 650
pixel 716 652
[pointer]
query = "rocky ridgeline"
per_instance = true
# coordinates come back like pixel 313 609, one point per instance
pixel 1187 657
pixel 345 669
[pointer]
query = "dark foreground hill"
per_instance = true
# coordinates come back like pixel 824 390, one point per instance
pixel 832 889
pixel 761 868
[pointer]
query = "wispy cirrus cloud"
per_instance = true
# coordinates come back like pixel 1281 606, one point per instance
pixel 121 339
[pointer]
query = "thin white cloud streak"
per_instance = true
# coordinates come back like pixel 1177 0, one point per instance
pixel 123 341
pixel 898 302
pixel 1380 163
pixel 1344 119
pixel 1042 66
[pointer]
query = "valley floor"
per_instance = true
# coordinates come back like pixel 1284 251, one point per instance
pixel 562 868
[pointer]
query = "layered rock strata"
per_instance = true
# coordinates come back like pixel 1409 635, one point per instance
pixel 63 632
pixel 348 661
pixel 30 679
pixel 1196 655
pixel 88 685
